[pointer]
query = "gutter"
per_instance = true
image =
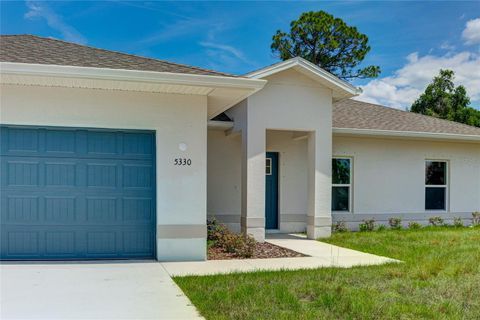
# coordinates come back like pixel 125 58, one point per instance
pixel 27 69
pixel 406 134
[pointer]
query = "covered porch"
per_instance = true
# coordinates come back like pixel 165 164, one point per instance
pixel 273 189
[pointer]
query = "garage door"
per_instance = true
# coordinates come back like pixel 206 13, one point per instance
pixel 76 194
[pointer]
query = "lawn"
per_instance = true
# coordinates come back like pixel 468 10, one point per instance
pixel 439 279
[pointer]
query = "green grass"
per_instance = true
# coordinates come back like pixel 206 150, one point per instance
pixel 440 279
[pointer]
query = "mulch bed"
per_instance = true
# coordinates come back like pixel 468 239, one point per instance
pixel 263 250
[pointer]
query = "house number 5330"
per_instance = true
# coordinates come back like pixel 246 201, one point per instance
pixel 182 162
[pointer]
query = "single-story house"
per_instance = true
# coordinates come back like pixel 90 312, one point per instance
pixel 106 155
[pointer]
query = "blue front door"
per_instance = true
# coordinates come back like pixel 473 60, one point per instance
pixel 76 194
pixel 271 190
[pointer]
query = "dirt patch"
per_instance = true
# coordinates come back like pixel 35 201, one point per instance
pixel 263 250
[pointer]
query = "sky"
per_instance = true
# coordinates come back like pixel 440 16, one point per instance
pixel 411 41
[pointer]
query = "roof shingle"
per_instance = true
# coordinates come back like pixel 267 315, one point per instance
pixel 347 114
pixel 39 50
pixel 353 114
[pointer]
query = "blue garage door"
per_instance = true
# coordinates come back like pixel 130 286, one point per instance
pixel 76 194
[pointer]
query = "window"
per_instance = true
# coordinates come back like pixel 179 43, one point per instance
pixel 268 166
pixel 342 184
pixel 436 176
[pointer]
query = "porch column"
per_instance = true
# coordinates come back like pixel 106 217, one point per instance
pixel 319 216
pixel 253 182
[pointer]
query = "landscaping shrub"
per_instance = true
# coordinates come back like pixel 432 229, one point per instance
pixel 238 244
pixel 218 235
pixel 395 223
pixel 230 242
pixel 457 222
pixel 435 221
pixel 247 247
pixel 414 225
pixel 367 225
pixel 215 230
pixel 476 218
pixel 340 226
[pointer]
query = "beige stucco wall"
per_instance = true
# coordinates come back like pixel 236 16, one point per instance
pixel 181 191
pixel 388 178
pixel 224 178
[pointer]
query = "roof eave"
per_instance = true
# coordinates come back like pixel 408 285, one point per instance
pixel 222 91
pixel 129 75
pixel 406 134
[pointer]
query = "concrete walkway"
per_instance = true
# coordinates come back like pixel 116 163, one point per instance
pixel 104 290
pixel 320 255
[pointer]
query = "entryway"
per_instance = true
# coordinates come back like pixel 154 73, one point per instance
pixel 271 190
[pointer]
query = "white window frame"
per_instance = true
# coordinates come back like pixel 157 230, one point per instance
pixel 268 166
pixel 445 186
pixel 349 185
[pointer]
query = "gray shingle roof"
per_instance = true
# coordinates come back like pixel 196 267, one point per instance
pixel 353 114
pixel 348 114
pixel 39 50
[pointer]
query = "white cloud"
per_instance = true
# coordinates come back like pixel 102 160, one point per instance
pixel 176 30
pixel 55 21
pixel 446 46
pixel 471 33
pixel 402 88
pixel 219 50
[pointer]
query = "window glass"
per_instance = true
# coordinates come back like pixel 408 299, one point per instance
pixel 341 171
pixel 435 198
pixel 340 198
pixel 435 173
pixel 268 166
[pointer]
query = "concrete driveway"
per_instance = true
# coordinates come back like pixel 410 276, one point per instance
pixel 114 290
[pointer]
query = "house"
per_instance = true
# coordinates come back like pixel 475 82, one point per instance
pixel 106 155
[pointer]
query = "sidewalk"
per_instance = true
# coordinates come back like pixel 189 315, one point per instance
pixel 320 255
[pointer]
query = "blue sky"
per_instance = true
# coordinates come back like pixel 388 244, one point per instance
pixel 410 41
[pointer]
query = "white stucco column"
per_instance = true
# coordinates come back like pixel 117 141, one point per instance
pixel 253 182
pixel 319 216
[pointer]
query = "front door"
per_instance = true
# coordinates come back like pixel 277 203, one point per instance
pixel 271 190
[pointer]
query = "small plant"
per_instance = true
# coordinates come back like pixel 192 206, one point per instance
pixel 340 226
pixel 435 221
pixel 230 242
pixel 218 235
pixel 457 222
pixel 476 218
pixel 414 225
pixel 395 223
pixel 381 228
pixel 215 230
pixel 247 248
pixel 367 225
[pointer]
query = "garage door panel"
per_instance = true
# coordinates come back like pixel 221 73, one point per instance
pixel 22 173
pixel 138 209
pixel 60 141
pixel 21 209
pixel 77 194
pixel 60 243
pixel 76 143
pixel 60 174
pixel 68 242
pixel 23 243
pixel 102 175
